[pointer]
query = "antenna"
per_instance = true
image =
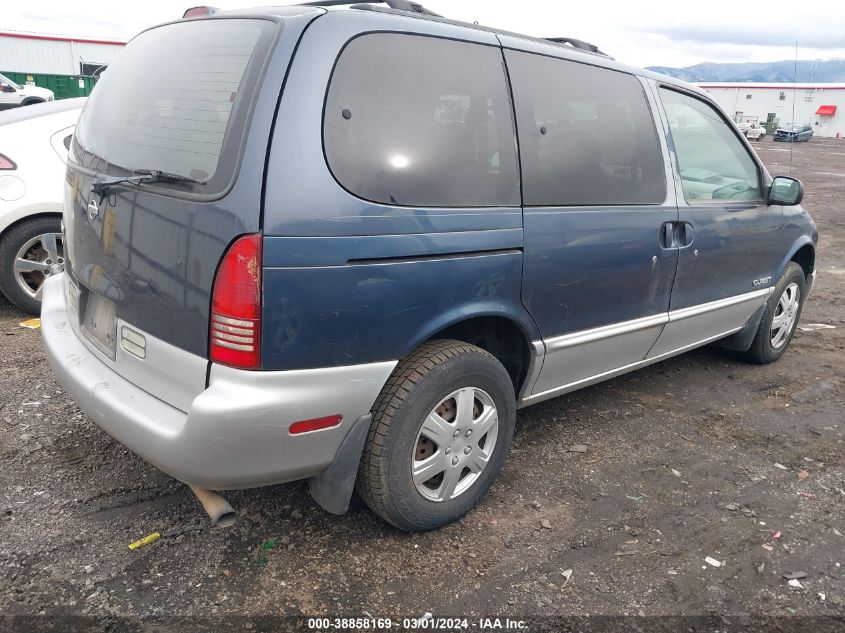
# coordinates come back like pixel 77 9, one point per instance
pixel 794 81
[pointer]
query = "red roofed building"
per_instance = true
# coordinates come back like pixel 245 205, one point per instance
pixel 821 106
pixel 40 53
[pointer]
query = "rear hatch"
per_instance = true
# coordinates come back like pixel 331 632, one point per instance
pixel 179 100
pixel 176 101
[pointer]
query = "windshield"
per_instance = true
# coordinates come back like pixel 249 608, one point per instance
pixel 792 127
pixel 176 101
pixel 4 78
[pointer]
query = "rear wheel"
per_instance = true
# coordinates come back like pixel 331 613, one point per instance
pixel 780 318
pixel 30 252
pixel 441 430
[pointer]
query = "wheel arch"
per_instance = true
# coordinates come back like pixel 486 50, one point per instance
pixel 507 335
pixel 806 258
pixel 803 253
pixel 5 228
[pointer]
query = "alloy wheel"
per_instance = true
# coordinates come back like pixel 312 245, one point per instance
pixel 37 259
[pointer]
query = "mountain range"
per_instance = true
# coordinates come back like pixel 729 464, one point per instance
pixel 814 71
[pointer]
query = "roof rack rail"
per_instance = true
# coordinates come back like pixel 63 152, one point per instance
pixel 584 46
pixel 399 5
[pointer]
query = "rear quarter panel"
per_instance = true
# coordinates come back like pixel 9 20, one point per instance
pixel 375 298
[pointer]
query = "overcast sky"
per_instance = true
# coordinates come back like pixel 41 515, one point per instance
pixel 644 33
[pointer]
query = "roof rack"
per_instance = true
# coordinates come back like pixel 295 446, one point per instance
pixel 581 44
pixel 416 7
pixel 399 5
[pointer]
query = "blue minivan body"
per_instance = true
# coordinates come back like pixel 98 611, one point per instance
pixel 399 179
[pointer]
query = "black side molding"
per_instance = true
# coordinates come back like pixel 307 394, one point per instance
pixel 428 258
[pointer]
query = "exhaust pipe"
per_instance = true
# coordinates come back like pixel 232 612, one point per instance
pixel 217 508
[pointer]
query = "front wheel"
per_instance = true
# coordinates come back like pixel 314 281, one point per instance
pixel 780 318
pixel 441 430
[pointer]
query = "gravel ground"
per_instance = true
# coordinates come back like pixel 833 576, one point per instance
pixel 700 456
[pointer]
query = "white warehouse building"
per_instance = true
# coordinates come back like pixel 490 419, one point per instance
pixel 53 54
pixel 821 106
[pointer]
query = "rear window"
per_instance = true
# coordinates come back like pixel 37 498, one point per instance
pixel 176 100
pixel 421 121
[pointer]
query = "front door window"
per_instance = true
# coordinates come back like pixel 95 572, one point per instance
pixel 713 162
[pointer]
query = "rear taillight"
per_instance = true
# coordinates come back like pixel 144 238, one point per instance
pixel 7 163
pixel 235 331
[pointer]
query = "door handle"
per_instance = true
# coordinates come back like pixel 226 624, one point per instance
pixel 684 234
pixel 676 234
pixel 667 235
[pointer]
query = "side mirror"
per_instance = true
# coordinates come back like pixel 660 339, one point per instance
pixel 6 88
pixel 786 191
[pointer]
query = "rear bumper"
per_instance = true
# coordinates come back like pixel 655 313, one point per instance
pixel 235 433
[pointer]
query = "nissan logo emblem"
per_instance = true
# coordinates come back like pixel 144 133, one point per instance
pixel 93 209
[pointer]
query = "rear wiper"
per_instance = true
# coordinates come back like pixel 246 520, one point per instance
pixel 103 185
pixel 155 175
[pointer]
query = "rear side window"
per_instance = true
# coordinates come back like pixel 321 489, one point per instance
pixel 713 162
pixel 176 100
pixel 587 136
pixel 421 121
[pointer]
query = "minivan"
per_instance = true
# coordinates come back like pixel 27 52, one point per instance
pixel 346 244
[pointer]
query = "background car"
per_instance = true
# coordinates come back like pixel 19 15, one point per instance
pixel 13 94
pixel 754 131
pixel 794 132
pixel 34 143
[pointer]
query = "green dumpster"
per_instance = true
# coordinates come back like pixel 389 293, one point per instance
pixel 771 126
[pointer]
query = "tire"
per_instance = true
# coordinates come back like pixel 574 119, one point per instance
pixel 439 375
pixel 10 246
pixel 769 345
pixel 27 102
